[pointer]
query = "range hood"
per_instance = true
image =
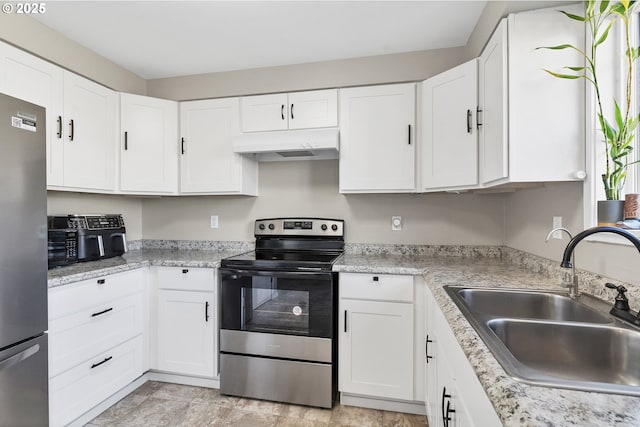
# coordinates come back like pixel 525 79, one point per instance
pixel 309 144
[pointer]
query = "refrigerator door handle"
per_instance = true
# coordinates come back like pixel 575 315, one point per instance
pixel 17 358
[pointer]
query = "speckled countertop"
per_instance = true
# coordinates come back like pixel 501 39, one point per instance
pixel 137 259
pixel 516 403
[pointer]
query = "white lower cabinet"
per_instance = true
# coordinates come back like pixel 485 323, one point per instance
pixel 96 341
pixel 186 321
pixel 376 340
pixel 454 396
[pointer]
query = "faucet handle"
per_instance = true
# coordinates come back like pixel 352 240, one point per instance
pixel 622 302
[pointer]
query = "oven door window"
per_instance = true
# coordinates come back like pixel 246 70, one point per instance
pixel 277 302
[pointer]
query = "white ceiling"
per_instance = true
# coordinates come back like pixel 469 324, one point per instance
pixel 156 39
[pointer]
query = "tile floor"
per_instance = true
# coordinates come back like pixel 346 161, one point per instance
pixel 157 404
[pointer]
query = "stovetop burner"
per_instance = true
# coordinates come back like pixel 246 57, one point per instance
pixel 293 244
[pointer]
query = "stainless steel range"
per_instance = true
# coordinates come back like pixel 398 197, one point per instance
pixel 278 337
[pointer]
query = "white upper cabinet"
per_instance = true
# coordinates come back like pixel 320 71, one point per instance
pixel 314 109
pixel 531 124
pixel 208 163
pixel 297 110
pixel 29 78
pixel 91 126
pixel 493 120
pixel 148 145
pixel 377 139
pixel 448 133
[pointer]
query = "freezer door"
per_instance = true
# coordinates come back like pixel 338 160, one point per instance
pixel 23 215
pixel 24 385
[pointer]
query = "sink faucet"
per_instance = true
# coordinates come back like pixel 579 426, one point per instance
pixel 568 251
pixel 570 279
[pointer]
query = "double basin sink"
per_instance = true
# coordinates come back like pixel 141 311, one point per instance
pixel 546 338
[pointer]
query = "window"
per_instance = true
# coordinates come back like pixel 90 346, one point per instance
pixel 612 80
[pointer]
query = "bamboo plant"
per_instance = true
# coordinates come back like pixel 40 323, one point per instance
pixel 618 134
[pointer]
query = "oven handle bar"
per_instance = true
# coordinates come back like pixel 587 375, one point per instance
pixel 271 273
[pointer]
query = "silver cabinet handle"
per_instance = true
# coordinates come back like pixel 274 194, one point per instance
pixel 100 246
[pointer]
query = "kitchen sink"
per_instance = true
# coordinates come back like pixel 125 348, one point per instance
pixel 546 338
pixel 573 355
pixel 530 305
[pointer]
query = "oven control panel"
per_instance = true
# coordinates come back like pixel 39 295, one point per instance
pixel 299 227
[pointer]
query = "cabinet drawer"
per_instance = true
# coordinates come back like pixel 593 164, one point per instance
pixel 68 299
pixel 80 336
pixel 186 278
pixel 381 287
pixel 77 390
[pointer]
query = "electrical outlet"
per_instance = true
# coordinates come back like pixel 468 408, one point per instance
pixel 557 223
pixel 214 221
pixel 396 223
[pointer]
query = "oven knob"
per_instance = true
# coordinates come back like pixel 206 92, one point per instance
pixel 324 227
pixel 271 226
pixel 261 226
pixel 334 227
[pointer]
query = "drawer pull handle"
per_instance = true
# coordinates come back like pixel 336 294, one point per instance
pixel 206 311
pixel 426 349
pixel 101 281
pixel 376 279
pixel 100 313
pixel 185 271
pixel 95 365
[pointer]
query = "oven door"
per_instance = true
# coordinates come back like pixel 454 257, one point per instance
pixel 278 302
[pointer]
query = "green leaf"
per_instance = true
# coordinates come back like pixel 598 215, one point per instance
pixel 574 17
pixel 603 6
pixel 605 34
pixel 563 76
pixel 558 47
pixel 618 115
pixel 576 69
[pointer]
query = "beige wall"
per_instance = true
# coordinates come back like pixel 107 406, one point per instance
pixel 28 34
pixel 61 202
pixel 401 67
pixel 310 188
pixel 529 216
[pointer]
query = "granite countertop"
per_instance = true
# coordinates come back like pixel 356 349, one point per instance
pixel 516 403
pixel 138 259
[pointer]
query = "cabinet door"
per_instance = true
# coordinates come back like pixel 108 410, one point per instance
pixel 492 94
pixel 265 112
pixel 149 144
pixel 91 125
pixel 431 360
pixel 376 349
pixel 29 78
pixel 377 147
pixel 208 162
pixel 546 114
pixel 186 333
pixel 314 109
pixel 449 142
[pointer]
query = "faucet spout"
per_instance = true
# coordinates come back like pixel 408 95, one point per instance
pixel 568 251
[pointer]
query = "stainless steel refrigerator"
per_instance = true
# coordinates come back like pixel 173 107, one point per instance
pixel 23 265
